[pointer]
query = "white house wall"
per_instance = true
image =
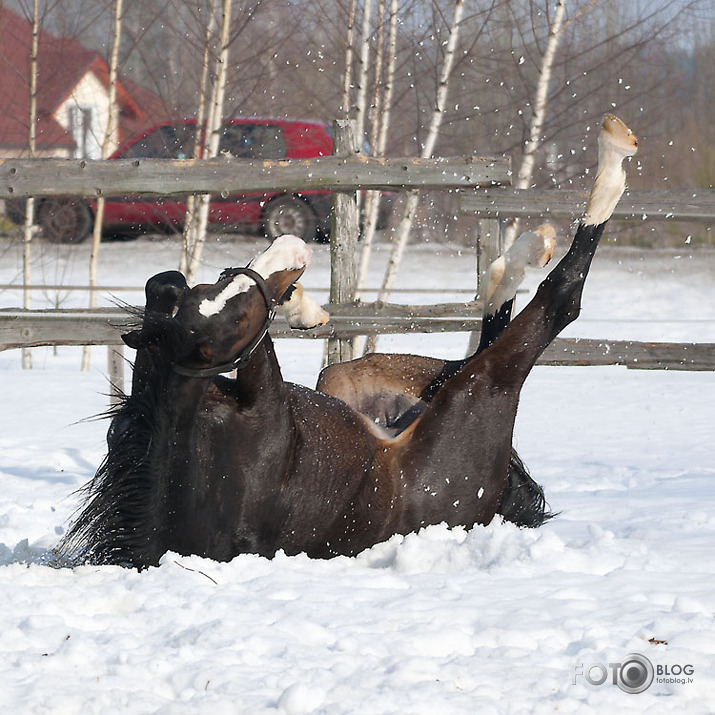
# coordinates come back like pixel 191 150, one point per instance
pixel 89 93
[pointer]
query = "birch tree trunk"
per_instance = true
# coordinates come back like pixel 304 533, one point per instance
pixel 213 128
pixel 30 203
pixel 364 67
pixel 376 107
pixel 349 52
pixel 372 198
pixel 379 144
pixel 403 230
pixel 192 203
pixel 526 169
pixel 108 143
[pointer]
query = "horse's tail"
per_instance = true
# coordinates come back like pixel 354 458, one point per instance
pixel 523 502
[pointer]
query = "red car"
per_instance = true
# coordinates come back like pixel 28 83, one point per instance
pixel 305 214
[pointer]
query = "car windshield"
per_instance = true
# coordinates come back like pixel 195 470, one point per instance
pixel 253 141
pixel 170 142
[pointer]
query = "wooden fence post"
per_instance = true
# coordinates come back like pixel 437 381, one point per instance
pixel 344 232
pixel 489 246
pixel 115 369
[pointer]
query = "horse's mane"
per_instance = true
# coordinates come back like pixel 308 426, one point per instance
pixel 118 522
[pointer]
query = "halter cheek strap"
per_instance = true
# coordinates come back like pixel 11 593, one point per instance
pixel 245 355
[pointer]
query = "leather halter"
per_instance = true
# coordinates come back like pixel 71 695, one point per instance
pixel 245 355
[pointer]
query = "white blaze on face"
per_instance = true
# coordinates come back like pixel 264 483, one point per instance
pixel 615 142
pixel 285 253
pixel 532 248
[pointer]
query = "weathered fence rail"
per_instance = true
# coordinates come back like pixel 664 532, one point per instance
pixel 672 205
pixel 22 178
pixel 495 205
pixel 72 288
pixel 34 328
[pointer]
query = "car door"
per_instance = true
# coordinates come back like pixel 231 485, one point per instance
pixel 246 140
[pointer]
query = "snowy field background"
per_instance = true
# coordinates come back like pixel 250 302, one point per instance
pixel 493 620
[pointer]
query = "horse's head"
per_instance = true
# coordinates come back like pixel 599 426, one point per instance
pixel 214 328
pixel 228 319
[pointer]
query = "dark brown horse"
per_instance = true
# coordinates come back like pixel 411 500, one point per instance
pixel 199 463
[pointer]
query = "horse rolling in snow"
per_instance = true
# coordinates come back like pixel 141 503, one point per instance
pixel 199 463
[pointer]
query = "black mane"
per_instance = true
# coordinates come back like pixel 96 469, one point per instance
pixel 121 513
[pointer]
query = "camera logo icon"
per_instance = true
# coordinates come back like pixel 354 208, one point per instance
pixel 635 674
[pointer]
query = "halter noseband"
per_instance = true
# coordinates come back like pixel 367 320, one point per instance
pixel 245 355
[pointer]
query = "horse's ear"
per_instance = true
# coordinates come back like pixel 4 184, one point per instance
pixel 280 282
pixel 153 330
pixel 165 291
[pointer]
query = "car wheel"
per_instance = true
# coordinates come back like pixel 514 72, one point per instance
pixel 288 214
pixel 65 220
pixel 15 210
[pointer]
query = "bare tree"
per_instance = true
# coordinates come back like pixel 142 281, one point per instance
pixel 363 69
pixel 438 112
pixel 108 144
pixel 349 53
pixel 378 138
pixel 190 234
pixel 526 168
pixel 28 228
pixel 213 130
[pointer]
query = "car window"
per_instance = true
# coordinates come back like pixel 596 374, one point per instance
pixel 171 142
pixel 253 141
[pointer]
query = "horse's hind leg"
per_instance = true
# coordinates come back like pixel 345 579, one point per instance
pixel 532 248
pixel 558 299
pixel 482 398
pixel 364 381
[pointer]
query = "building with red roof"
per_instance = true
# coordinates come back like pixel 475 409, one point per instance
pixel 72 96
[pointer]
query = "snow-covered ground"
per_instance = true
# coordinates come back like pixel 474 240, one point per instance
pixel 496 619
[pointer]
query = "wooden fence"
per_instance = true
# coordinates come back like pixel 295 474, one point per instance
pixel 34 328
pixel 22 178
pixel 345 174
